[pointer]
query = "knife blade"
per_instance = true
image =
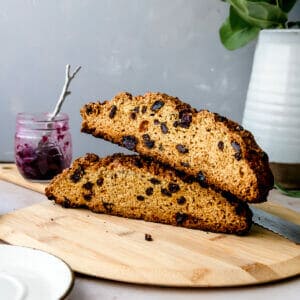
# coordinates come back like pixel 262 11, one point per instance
pixel 280 226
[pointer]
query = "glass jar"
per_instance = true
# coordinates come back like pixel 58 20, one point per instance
pixel 43 148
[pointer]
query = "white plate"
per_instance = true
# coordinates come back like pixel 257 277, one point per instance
pixel 31 274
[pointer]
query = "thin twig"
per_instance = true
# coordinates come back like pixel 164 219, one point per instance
pixel 65 92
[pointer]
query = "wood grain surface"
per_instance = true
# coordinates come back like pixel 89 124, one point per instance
pixel 9 172
pixel 115 248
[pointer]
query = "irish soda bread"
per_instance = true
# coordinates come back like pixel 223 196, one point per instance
pixel 136 187
pixel 210 147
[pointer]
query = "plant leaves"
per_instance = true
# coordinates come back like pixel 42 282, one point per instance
pixel 246 18
pixel 291 193
pixel 260 14
pixel 235 32
pixel 236 21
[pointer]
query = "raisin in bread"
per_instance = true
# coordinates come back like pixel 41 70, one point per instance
pixel 136 187
pixel 210 147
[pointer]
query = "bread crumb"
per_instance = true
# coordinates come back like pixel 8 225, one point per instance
pixel 148 237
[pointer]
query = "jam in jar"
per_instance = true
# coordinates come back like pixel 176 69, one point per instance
pixel 43 147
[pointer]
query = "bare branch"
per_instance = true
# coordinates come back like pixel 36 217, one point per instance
pixel 67 72
pixel 76 71
pixel 65 92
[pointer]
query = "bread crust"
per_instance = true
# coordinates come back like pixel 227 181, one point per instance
pixel 200 143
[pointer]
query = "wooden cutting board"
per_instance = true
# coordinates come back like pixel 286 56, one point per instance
pixel 115 248
pixel 10 173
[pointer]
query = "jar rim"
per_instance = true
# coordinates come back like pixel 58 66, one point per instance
pixel 40 117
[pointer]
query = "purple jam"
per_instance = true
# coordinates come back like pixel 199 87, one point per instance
pixel 41 163
pixel 42 151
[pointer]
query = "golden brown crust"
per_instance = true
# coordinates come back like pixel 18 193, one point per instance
pixel 203 144
pixel 136 187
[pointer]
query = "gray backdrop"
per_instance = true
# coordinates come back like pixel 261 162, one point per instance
pixel 170 46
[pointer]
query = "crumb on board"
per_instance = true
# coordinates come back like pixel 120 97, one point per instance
pixel 148 237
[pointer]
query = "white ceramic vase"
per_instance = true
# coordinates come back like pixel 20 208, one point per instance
pixel 272 110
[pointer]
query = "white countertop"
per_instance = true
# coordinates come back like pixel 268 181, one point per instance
pixel 13 197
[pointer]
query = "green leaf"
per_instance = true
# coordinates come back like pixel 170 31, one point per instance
pixel 259 14
pixel 235 32
pixel 236 21
pixel 291 193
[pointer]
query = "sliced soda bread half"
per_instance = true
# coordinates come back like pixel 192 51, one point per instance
pixel 216 151
pixel 135 187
